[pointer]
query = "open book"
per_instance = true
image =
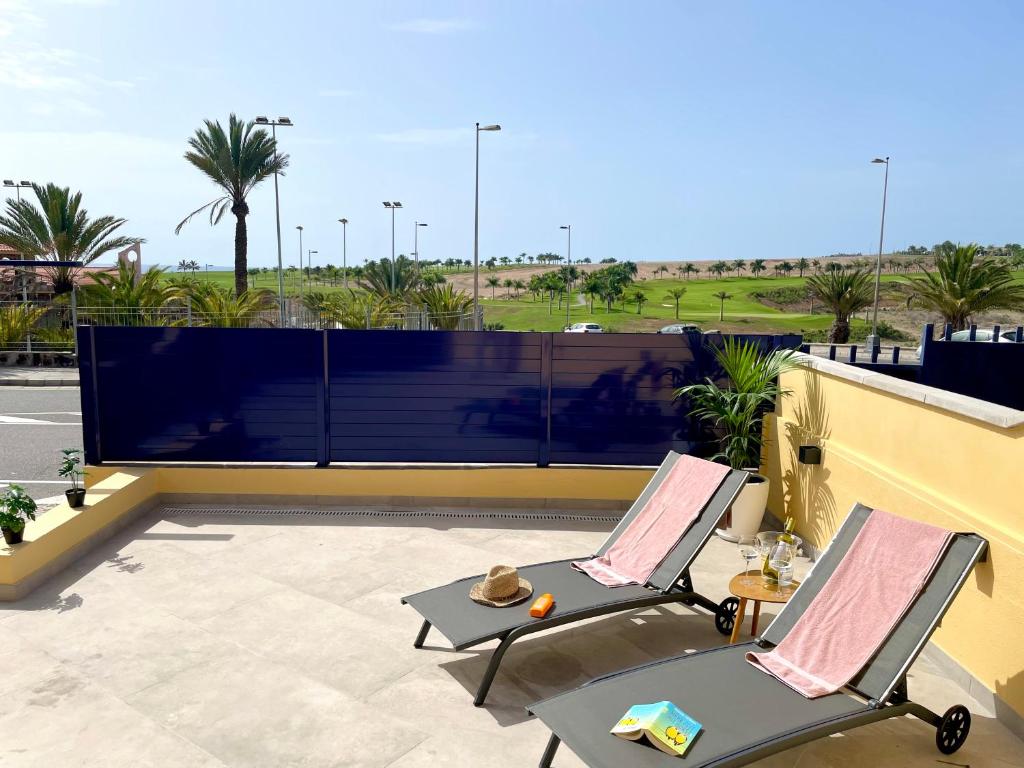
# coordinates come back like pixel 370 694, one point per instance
pixel 665 725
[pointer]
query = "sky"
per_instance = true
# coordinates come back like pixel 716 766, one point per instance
pixel 658 130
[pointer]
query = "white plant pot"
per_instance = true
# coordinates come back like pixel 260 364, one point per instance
pixel 748 509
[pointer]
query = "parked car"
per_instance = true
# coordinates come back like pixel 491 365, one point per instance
pixel 980 334
pixel 680 328
pixel 584 328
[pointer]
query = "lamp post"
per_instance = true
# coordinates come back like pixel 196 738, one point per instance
pixel 309 264
pixel 17 187
pixel 873 340
pixel 476 227
pixel 344 250
pixel 261 120
pixel 568 260
pixel 299 227
pixel 392 207
pixel 416 242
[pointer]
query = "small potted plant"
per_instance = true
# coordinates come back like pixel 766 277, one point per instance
pixel 70 468
pixel 16 507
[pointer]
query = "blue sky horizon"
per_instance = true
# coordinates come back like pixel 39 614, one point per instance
pixel 660 131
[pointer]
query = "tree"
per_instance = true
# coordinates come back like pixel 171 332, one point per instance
pixel 757 267
pixel 184 265
pixel 217 307
pixel 719 268
pixel 786 268
pixel 689 269
pixel 844 293
pixel 675 294
pixel 965 284
pixel 134 302
pixel 662 270
pixel 722 297
pixel 492 283
pixel 519 286
pixel 60 229
pixel 236 160
pixel 802 264
pixel 508 282
pixel 398 281
pixel 446 306
pixel 739 265
pixel 640 298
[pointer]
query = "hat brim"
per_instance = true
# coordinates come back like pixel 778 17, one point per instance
pixel 476 594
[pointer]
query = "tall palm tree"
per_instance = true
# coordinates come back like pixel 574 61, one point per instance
pixel 965 284
pixel 739 265
pixel 236 160
pixel 757 267
pixel 379 277
pixel 802 264
pixel 492 283
pixel 675 294
pixel 722 297
pixel 60 229
pixel 844 293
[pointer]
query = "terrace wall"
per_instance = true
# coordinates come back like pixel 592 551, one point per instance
pixel 931 455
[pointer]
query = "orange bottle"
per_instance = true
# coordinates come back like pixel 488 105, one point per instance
pixel 542 605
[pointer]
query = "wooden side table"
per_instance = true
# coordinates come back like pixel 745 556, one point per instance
pixel 751 586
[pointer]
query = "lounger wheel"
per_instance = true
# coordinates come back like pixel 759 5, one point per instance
pixel 725 616
pixel 952 731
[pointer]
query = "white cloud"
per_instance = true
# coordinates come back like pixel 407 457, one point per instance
pixel 427 136
pixel 435 26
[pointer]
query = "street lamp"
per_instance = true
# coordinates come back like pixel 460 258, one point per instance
pixel 568 260
pixel 309 263
pixel 344 250
pixel 17 187
pixel 392 207
pixel 416 242
pixel 299 227
pixel 262 120
pixel 476 227
pixel 873 342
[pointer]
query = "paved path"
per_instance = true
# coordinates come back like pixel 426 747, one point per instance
pixel 35 424
pixel 29 376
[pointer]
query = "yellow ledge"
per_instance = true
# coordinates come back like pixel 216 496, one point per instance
pixel 118 495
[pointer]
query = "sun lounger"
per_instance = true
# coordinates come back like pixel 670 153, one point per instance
pixel 577 596
pixel 747 714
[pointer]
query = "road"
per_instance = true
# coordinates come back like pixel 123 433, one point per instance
pixel 35 424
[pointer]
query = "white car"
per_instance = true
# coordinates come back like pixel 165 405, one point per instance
pixel 584 328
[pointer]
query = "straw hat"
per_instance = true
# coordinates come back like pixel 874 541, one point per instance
pixel 501 588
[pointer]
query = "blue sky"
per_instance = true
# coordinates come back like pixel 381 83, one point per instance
pixel 677 130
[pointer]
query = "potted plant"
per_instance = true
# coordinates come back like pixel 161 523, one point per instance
pixel 16 507
pixel 736 411
pixel 70 468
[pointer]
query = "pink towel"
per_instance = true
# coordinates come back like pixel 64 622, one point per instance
pixel 884 571
pixel 653 533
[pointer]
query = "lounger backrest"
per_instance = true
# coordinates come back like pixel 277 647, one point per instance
pixel 641 501
pixel 881 675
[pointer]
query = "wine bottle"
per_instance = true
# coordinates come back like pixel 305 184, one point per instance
pixel 785 539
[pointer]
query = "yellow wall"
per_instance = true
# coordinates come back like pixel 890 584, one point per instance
pixel 925 463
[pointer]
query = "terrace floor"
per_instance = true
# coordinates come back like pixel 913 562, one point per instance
pixel 207 639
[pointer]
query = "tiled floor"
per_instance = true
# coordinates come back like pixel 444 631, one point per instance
pixel 219 640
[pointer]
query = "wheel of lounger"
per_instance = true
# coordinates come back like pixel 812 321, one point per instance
pixel 952 731
pixel 725 616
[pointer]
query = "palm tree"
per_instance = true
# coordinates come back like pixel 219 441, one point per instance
pixel 722 297
pixel 508 283
pixel 519 285
pixel 689 269
pixel 965 284
pixel 802 264
pixel 739 265
pixel 640 298
pixel 382 278
pixel 236 160
pixel 844 293
pixel 217 307
pixel 60 230
pixel 756 267
pixel 675 294
pixel 132 301
pixel 446 306
pixel 184 265
pixel 492 283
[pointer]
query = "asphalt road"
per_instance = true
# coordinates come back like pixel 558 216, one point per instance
pixel 35 424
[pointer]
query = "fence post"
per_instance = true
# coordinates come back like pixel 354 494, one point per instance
pixel 323 408
pixel 831 351
pixel 188 310
pixel 74 319
pixel 896 355
pixel 995 332
pixel 1020 334
pixel 853 353
pixel 874 352
pixel 972 333
pixel 947 332
pixel 547 355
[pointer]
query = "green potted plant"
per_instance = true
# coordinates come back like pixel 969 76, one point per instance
pixel 736 412
pixel 16 507
pixel 70 467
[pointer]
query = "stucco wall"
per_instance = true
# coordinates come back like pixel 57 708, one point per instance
pixel 947 460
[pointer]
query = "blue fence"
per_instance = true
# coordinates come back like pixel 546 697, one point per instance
pixel 989 370
pixel 280 395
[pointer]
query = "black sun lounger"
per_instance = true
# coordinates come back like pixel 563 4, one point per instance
pixel 747 714
pixel 577 596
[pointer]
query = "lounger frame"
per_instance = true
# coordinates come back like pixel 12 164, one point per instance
pixel 677 586
pixel 892 699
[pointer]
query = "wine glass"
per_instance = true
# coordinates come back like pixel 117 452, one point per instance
pixel 750 550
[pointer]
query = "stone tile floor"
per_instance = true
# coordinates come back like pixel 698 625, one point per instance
pixel 209 640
